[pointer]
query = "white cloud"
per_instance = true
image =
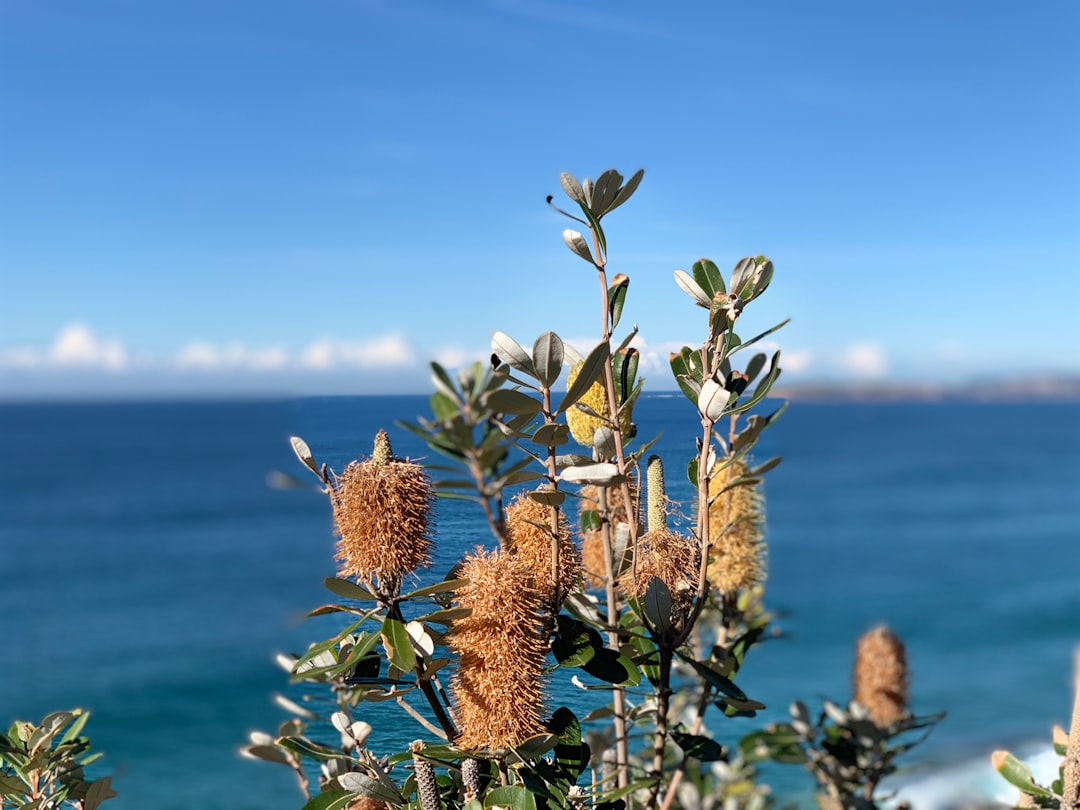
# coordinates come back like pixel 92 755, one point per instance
pixel 865 360
pixel 203 356
pixel 76 346
pixel 388 351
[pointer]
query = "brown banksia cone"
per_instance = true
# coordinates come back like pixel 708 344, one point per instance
pixel 593 562
pixel 671 558
pixel 881 676
pixel 366 803
pixel 498 685
pixel 583 425
pixel 528 536
pixel 382 515
pixel 736 532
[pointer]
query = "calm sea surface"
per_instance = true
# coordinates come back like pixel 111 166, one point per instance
pixel 148 572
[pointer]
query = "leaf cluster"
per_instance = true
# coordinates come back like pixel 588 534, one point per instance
pixel 43 765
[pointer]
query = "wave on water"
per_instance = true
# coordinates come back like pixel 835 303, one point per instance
pixel 973 783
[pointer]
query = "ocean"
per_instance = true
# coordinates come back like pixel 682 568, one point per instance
pixel 149 573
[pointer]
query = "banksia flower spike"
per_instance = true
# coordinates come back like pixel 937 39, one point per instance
pixel 583 424
pixel 528 536
pixel 881 677
pixel 736 532
pixel 498 686
pixel 382 514
pixel 664 554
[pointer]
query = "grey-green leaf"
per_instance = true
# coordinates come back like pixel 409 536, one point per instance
pixel 303 452
pixel 693 289
pixel 576 242
pixel 548 358
pixel 510 351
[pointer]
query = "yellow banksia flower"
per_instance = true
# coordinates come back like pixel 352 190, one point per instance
pixel 593 564
pixel 528 535
pixel 382 515
pixel 881 676
pixel 498 685
pixel 736 532
pixel 583 425
pixel 671 558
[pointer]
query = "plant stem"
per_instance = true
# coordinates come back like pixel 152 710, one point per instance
pixel 622 746
pixel 663 704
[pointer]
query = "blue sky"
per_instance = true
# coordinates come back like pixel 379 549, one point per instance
pixel 321 197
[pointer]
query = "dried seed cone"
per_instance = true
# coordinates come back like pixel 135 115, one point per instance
pixel 382 514
pixel 427 789
pixel 498 686
pixel 366 803
pixel 881 677
pixel 470 778
pixel 736 533
pixel 593 564
pixel 528 535
pixel 671 558
pixel 583 426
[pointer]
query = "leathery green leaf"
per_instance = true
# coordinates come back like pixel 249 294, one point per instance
pixel 398 645
pixel 591 371
pixel 515 797
pixel 548 358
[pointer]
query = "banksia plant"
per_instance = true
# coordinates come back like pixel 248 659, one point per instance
pixel 736 531
pixel 880 676
pixel 498 686
pixel 382 515
pixel 528 538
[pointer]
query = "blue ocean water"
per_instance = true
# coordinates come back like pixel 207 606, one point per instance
pixel 148 572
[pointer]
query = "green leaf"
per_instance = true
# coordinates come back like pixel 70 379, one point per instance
pixel 511 352
pixel 570 754
pixel 330 800
pixel 624 369
pixel 509 400
pixel 1017 773
pixel 590 521
pixel 446 615
pixel 98 792
pixel 591 371
pixel 576 242
pixel 398 644
pixel 703 749
pixel 715 679
pixel 605 190
pixel 657 606
pixel 303 452
pixel 626 191
pixel 616 298
pixel 382 790
pixel 764 334
pixel 515 797
pixel 551 435
pixel 548 497
pixel 708 277
pixel 548 358
pixel 446 586
pixel 306 748
pixel 572 187
pixel 693 289
pixel 348 590
pixel 612 667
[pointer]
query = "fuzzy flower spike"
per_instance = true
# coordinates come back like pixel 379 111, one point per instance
pixel 382 514
pixel 881 676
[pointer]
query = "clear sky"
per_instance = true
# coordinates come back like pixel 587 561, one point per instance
pixel 322 196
